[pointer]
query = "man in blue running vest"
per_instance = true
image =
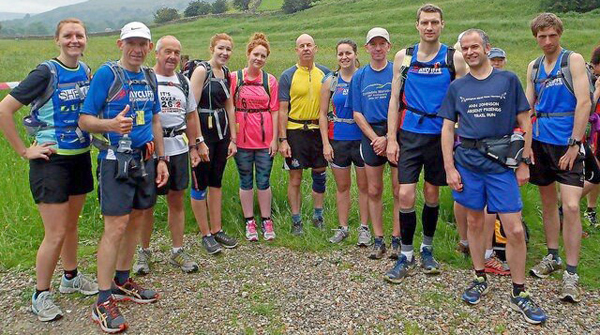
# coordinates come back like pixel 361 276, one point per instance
pixel 558 90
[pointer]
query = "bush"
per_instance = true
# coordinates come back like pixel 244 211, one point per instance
pixel 292 6
pixel 196 8
pixel 242 4
pixel 563 6
pixel 165 14
pixel 219 6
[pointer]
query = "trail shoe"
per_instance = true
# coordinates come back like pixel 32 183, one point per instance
pixel 523 303
pixel 546 266
pixel 225 240
pixel 340 234
pixel 142 264
pixel 80 283
pixel 268 231
pixel 182 260
pixel 495 266
pixel 251 233
pixel 211 246
pixel 591 217
pixel 428 263
pixel 318 222
pixel 297 229
pixel 477 288
pixel 132 291
pixel 44 307
pixel 364 237
pixel 378 249
pixel 570 291
pixel 395 247
pixel 463 249
pixel 402 269
pixel 108 317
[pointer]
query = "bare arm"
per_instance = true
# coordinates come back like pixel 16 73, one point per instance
pixel 162 173
pixel 8 107
pixel 452 176
pixel 324 110
pixel 460 65
pixel 119 124
pixel 580 86
pixel 284 147
pixel 530 89
pixel 393 109
pixel 522 172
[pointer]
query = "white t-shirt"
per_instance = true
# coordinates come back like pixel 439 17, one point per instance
pixel 174 109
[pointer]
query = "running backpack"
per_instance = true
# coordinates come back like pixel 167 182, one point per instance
pixel 241 82
pixel 565 74
pixel 183 85
pixel 335 76
pixel 120 80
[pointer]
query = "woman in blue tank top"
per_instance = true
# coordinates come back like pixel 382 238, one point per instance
pixel 341 137
pixel 60 168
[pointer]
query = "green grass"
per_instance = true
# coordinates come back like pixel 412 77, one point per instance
pixel 270 4
pixel 506 21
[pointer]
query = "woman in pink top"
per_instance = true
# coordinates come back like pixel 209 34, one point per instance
pixel 256 106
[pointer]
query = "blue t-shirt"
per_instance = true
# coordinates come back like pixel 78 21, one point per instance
pixel 424 90
pixel 370 92
pixel 553 97
pixel 484 109
pixel 142 100
pixel 342 131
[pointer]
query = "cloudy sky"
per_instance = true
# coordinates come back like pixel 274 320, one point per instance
pixel 33 6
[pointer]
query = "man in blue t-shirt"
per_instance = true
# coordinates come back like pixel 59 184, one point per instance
pixel 487 103
pixel 122 108
pixel 368 98
pixel 562 108
pixel 426 69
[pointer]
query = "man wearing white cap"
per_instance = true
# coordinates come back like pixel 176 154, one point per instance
pixel 122 108
pixel 368 98
pixel 422 74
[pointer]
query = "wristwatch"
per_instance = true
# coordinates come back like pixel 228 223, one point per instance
pixel 281 139
pixel 199 140
pixel 162 158
pixel 573 142
pixel 527 160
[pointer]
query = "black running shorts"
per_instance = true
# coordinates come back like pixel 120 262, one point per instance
pixel 591 168
pixel 179 175
pixel 346 153
pixel 419 151
pixel 53 181
pixel 366 150
pixel 307 150
pixel 545 171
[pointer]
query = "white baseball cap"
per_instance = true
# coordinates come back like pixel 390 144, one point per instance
pixel 135 29
pixel 378 32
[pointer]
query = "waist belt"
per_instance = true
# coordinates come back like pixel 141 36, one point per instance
pixel 305 123
pixel 172 132
pixel 247 111
pixel 421 113
pixel 215 113
pixel 334 118
pixel 561 114
pixel 469 143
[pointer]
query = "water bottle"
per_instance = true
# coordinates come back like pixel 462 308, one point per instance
pixel 515 148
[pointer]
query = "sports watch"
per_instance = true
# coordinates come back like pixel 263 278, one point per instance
pixel 527 160
pixel 573 142
pixel 281 139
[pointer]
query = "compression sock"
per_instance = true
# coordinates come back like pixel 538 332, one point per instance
pixel 70 274
pixel 429 217
pixel 408 224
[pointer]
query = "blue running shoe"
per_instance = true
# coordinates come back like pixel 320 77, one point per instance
pixel 401 270
pixel 428 263
pixel 531 312
pixel 477 288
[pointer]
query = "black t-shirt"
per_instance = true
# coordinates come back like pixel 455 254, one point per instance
pixel 34 84
pixel 214 94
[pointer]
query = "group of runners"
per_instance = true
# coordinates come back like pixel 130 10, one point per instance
pixel 450 112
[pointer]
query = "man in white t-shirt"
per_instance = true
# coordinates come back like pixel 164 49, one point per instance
pixel 180 123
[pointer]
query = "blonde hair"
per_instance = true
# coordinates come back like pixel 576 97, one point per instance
pixel 258 39
pixel 66 21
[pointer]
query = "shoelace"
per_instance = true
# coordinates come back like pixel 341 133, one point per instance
pixel 111 308
pixel 46 301
pixel 478 286
pixel 525 301
pixel 570 281
pixel 251 227
pixel 268 226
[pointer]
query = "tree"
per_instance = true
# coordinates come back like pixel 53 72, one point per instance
pixel 564 6
pixel 292 6
pixel 37 29
pixel 0 28
pixel 196 8
pixel 219 6
pixel 242 4
pixel 165 14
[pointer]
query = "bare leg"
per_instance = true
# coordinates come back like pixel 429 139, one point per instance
pixel 375 188
pixel 516 249
pixel 215 196
pixel 176 217
pixel 550 219
pixel 293 191
pixel 68 253
pixel 264 202
pixel 342 181
pixel 54 218
pixel 460 215
pixel 363 194
pixel 146 227
pixel 475 221
pixel 108 249
pixel 201 215
pixel 247 201
pixel 570 196
pixel 129 240
pixel 489 228
pixel 396 194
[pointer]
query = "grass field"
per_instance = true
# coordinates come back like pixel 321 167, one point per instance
pixel 506 22
pixel 270 4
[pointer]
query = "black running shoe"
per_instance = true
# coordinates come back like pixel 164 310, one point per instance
pixel 225 240
pixel 132 291
pixel 211 246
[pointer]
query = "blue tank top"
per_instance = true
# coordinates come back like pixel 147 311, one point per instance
pixel 61 112
pixel 342 131
pixel 553 97
pixel 424 90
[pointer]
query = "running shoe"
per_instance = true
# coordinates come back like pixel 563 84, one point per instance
pixel 463 249
pixel 546 266
pixel 570 291
pixel 226 240
pixel 364 236
pixel 184 261
pixel 477 288
pixel 591 217
pixel 268 231
pixel 402 269
pixel 108 317
pixel 142 264
pixel 318 222
pixel 378 249
pixel 340 234
pixel 44 307
pixel 428 263
pixel 211 246
pixel 531 312
pixel 80 283
pixel 251 233
pixel 297 228
pixel 132 291
pixel 495 266
pixel 395 247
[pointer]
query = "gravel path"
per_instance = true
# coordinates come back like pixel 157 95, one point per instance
pixel 261 289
